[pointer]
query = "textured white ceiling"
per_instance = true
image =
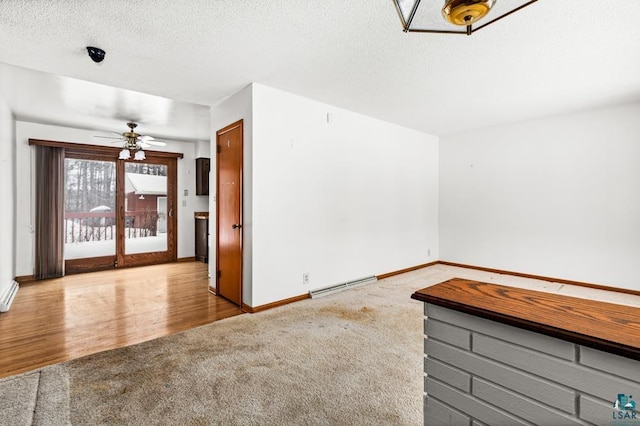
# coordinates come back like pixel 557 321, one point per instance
pixel 550 58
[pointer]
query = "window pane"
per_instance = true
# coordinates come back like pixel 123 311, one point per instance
pixel 90 204
pixel 145 208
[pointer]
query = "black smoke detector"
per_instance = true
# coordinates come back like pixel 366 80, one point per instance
pixel 96 54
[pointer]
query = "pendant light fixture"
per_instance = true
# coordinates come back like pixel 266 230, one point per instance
pixel 465 12
pixel 456 16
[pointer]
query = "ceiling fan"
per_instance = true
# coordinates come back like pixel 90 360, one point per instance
pixel 133 141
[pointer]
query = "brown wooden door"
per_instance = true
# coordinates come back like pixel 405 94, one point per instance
pixel 229 213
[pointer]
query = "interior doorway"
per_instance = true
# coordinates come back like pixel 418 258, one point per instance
pixel 229 212
pixel 118 212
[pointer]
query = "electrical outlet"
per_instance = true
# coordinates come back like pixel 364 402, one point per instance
pixel 305 278
pixel 429 253
pixel 184 203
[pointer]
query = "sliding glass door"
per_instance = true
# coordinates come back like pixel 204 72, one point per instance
pixel 118 213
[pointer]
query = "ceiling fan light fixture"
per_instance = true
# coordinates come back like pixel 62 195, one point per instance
pixel 133 143
pixel 466 12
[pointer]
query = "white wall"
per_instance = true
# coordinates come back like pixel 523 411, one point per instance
pixel 236 107
pixel 203 149
pixel 7 195
pixel 25 202
pixel 341 200
pixel 557 197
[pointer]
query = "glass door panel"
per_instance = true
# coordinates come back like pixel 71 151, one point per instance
pixel 145 207
pixel 90 205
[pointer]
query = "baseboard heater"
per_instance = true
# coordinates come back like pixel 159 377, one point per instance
pixel 7 298
pixel 342 286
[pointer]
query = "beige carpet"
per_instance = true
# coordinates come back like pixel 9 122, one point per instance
pixel 350 358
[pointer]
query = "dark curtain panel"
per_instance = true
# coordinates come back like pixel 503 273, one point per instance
pixel 49 212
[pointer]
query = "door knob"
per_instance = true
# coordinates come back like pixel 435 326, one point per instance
pixel 236 226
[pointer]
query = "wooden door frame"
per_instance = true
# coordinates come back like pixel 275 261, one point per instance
pixel 232 126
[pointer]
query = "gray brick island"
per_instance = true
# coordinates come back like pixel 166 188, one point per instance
pixel 497 355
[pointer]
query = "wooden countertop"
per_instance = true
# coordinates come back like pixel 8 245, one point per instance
pixel 605 326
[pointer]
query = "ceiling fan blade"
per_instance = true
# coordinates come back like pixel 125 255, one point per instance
pixel 107 137
pixel 143 141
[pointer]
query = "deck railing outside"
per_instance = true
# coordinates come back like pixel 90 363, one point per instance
pixel 100 226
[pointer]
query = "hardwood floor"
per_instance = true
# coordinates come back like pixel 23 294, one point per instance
pixel 58 320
